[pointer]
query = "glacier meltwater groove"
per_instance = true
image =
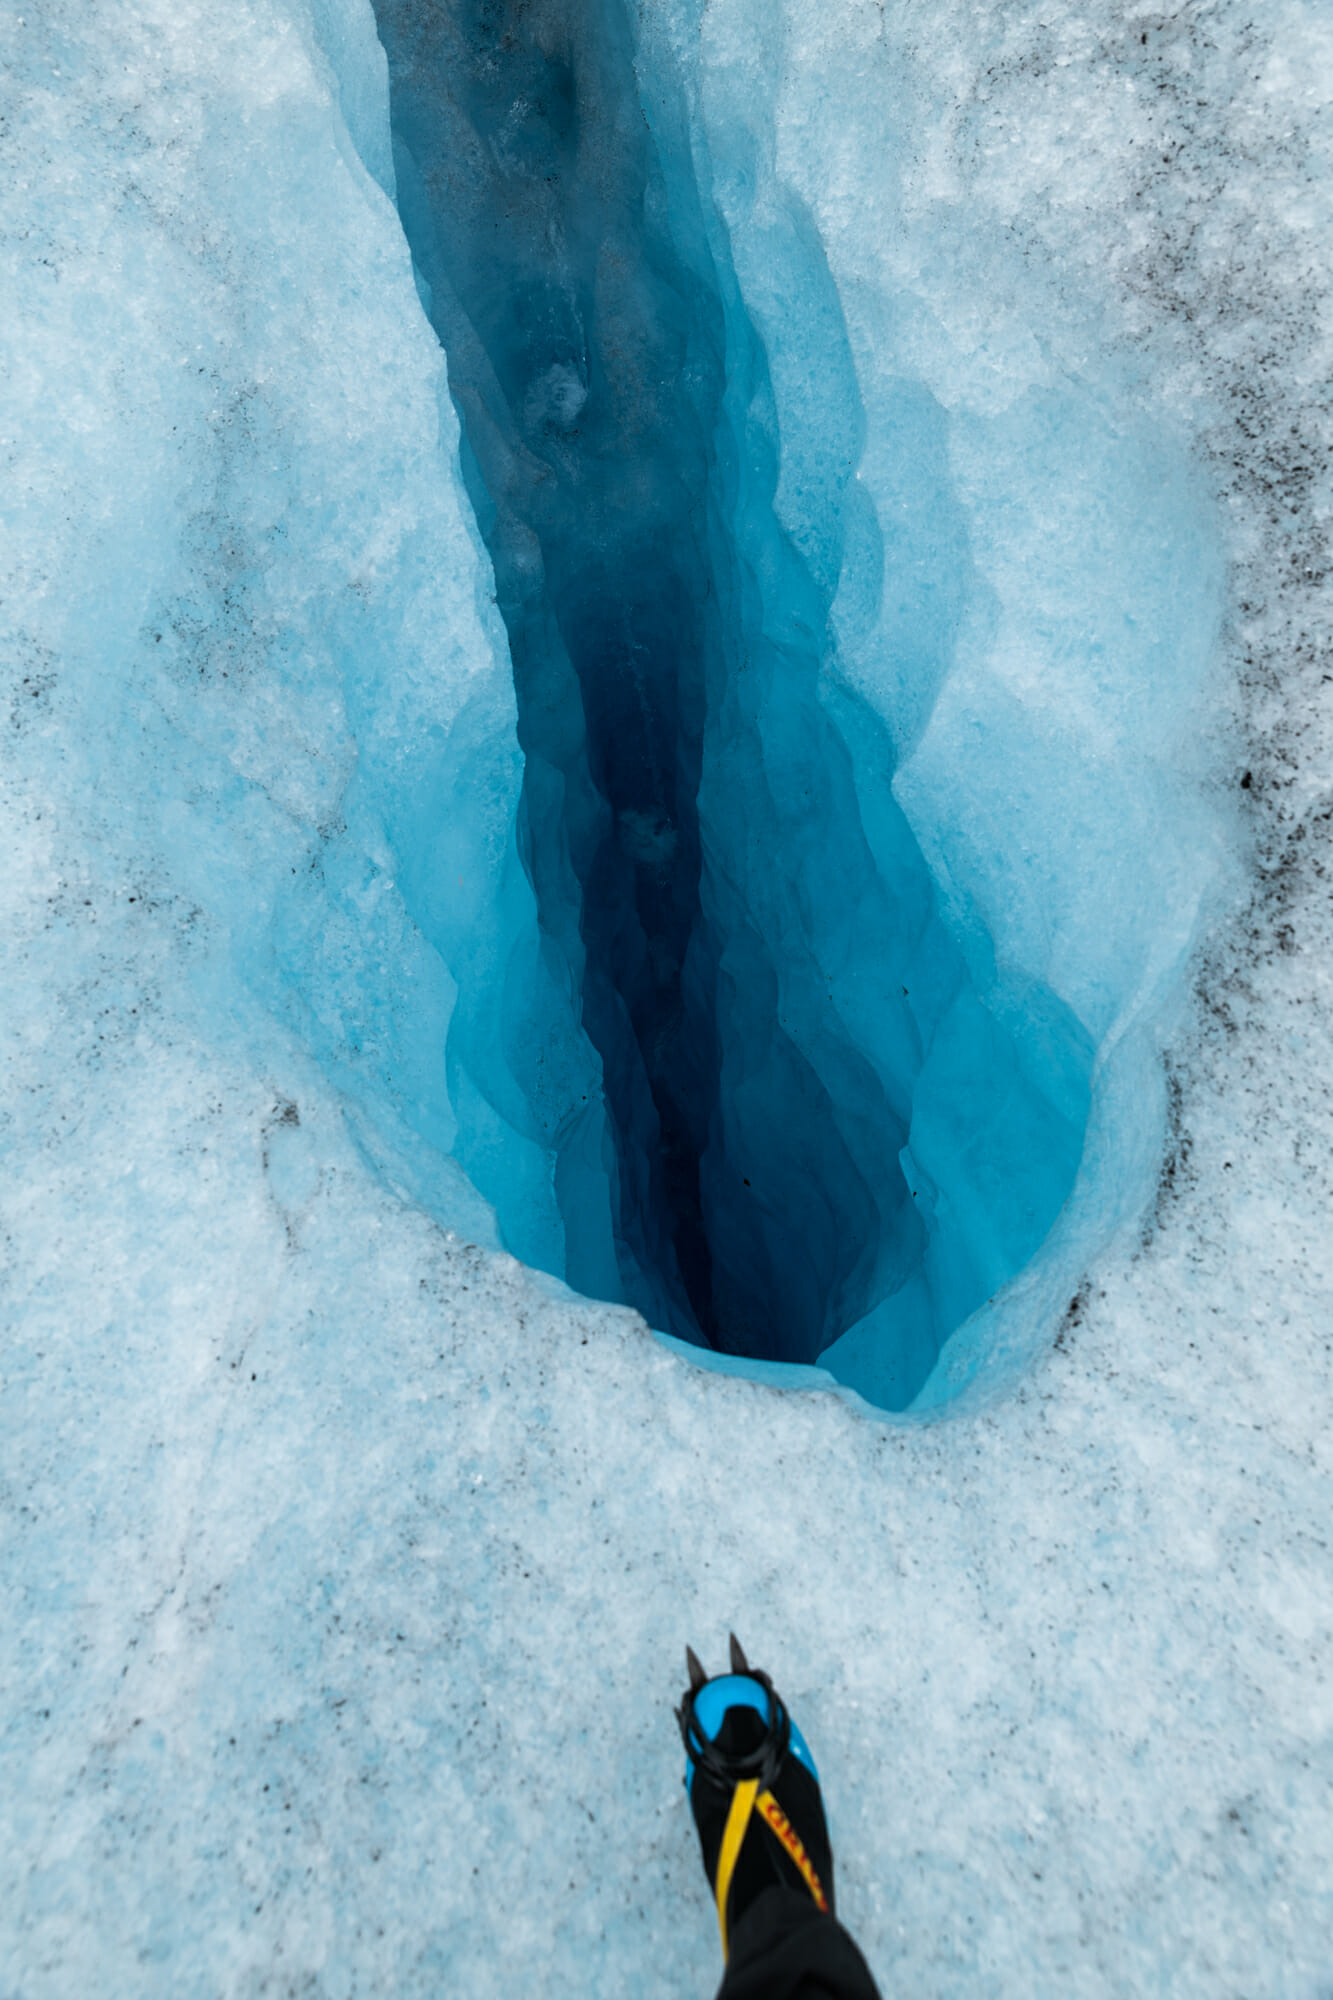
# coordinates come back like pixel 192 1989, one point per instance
pixel 799 1116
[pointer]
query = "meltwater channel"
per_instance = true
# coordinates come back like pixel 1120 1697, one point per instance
pixel 812 1118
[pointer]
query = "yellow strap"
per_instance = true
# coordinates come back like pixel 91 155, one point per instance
pixel 742 1805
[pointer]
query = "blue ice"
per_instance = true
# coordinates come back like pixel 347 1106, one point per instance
pixel 807 1052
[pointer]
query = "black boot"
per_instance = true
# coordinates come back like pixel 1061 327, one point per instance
pixel 754 1792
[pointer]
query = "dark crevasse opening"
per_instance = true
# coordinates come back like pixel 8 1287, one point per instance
pixel 807 1123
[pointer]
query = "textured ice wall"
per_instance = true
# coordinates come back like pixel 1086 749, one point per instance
pixel 305 1569
pixel 1027 582
pixel 846 1081
pixel 278 615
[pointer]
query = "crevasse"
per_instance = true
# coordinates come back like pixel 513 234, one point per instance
pixel 794 1108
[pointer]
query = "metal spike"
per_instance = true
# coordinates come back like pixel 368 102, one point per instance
pixel 695 1669
pixel 739 1663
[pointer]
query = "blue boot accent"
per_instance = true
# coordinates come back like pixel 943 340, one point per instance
pixel 739 1691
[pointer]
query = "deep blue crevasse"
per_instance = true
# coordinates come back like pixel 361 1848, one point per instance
pixel 813 1120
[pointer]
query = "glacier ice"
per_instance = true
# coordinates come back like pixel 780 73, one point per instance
pixel 843 722
pixel 345 1565
pixel 788 986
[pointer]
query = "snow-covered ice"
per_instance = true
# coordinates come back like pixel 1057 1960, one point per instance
pixel 347 1565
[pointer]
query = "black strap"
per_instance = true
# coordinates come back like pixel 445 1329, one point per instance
pixel 763 1762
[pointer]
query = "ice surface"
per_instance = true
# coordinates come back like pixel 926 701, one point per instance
pixel 346 1567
